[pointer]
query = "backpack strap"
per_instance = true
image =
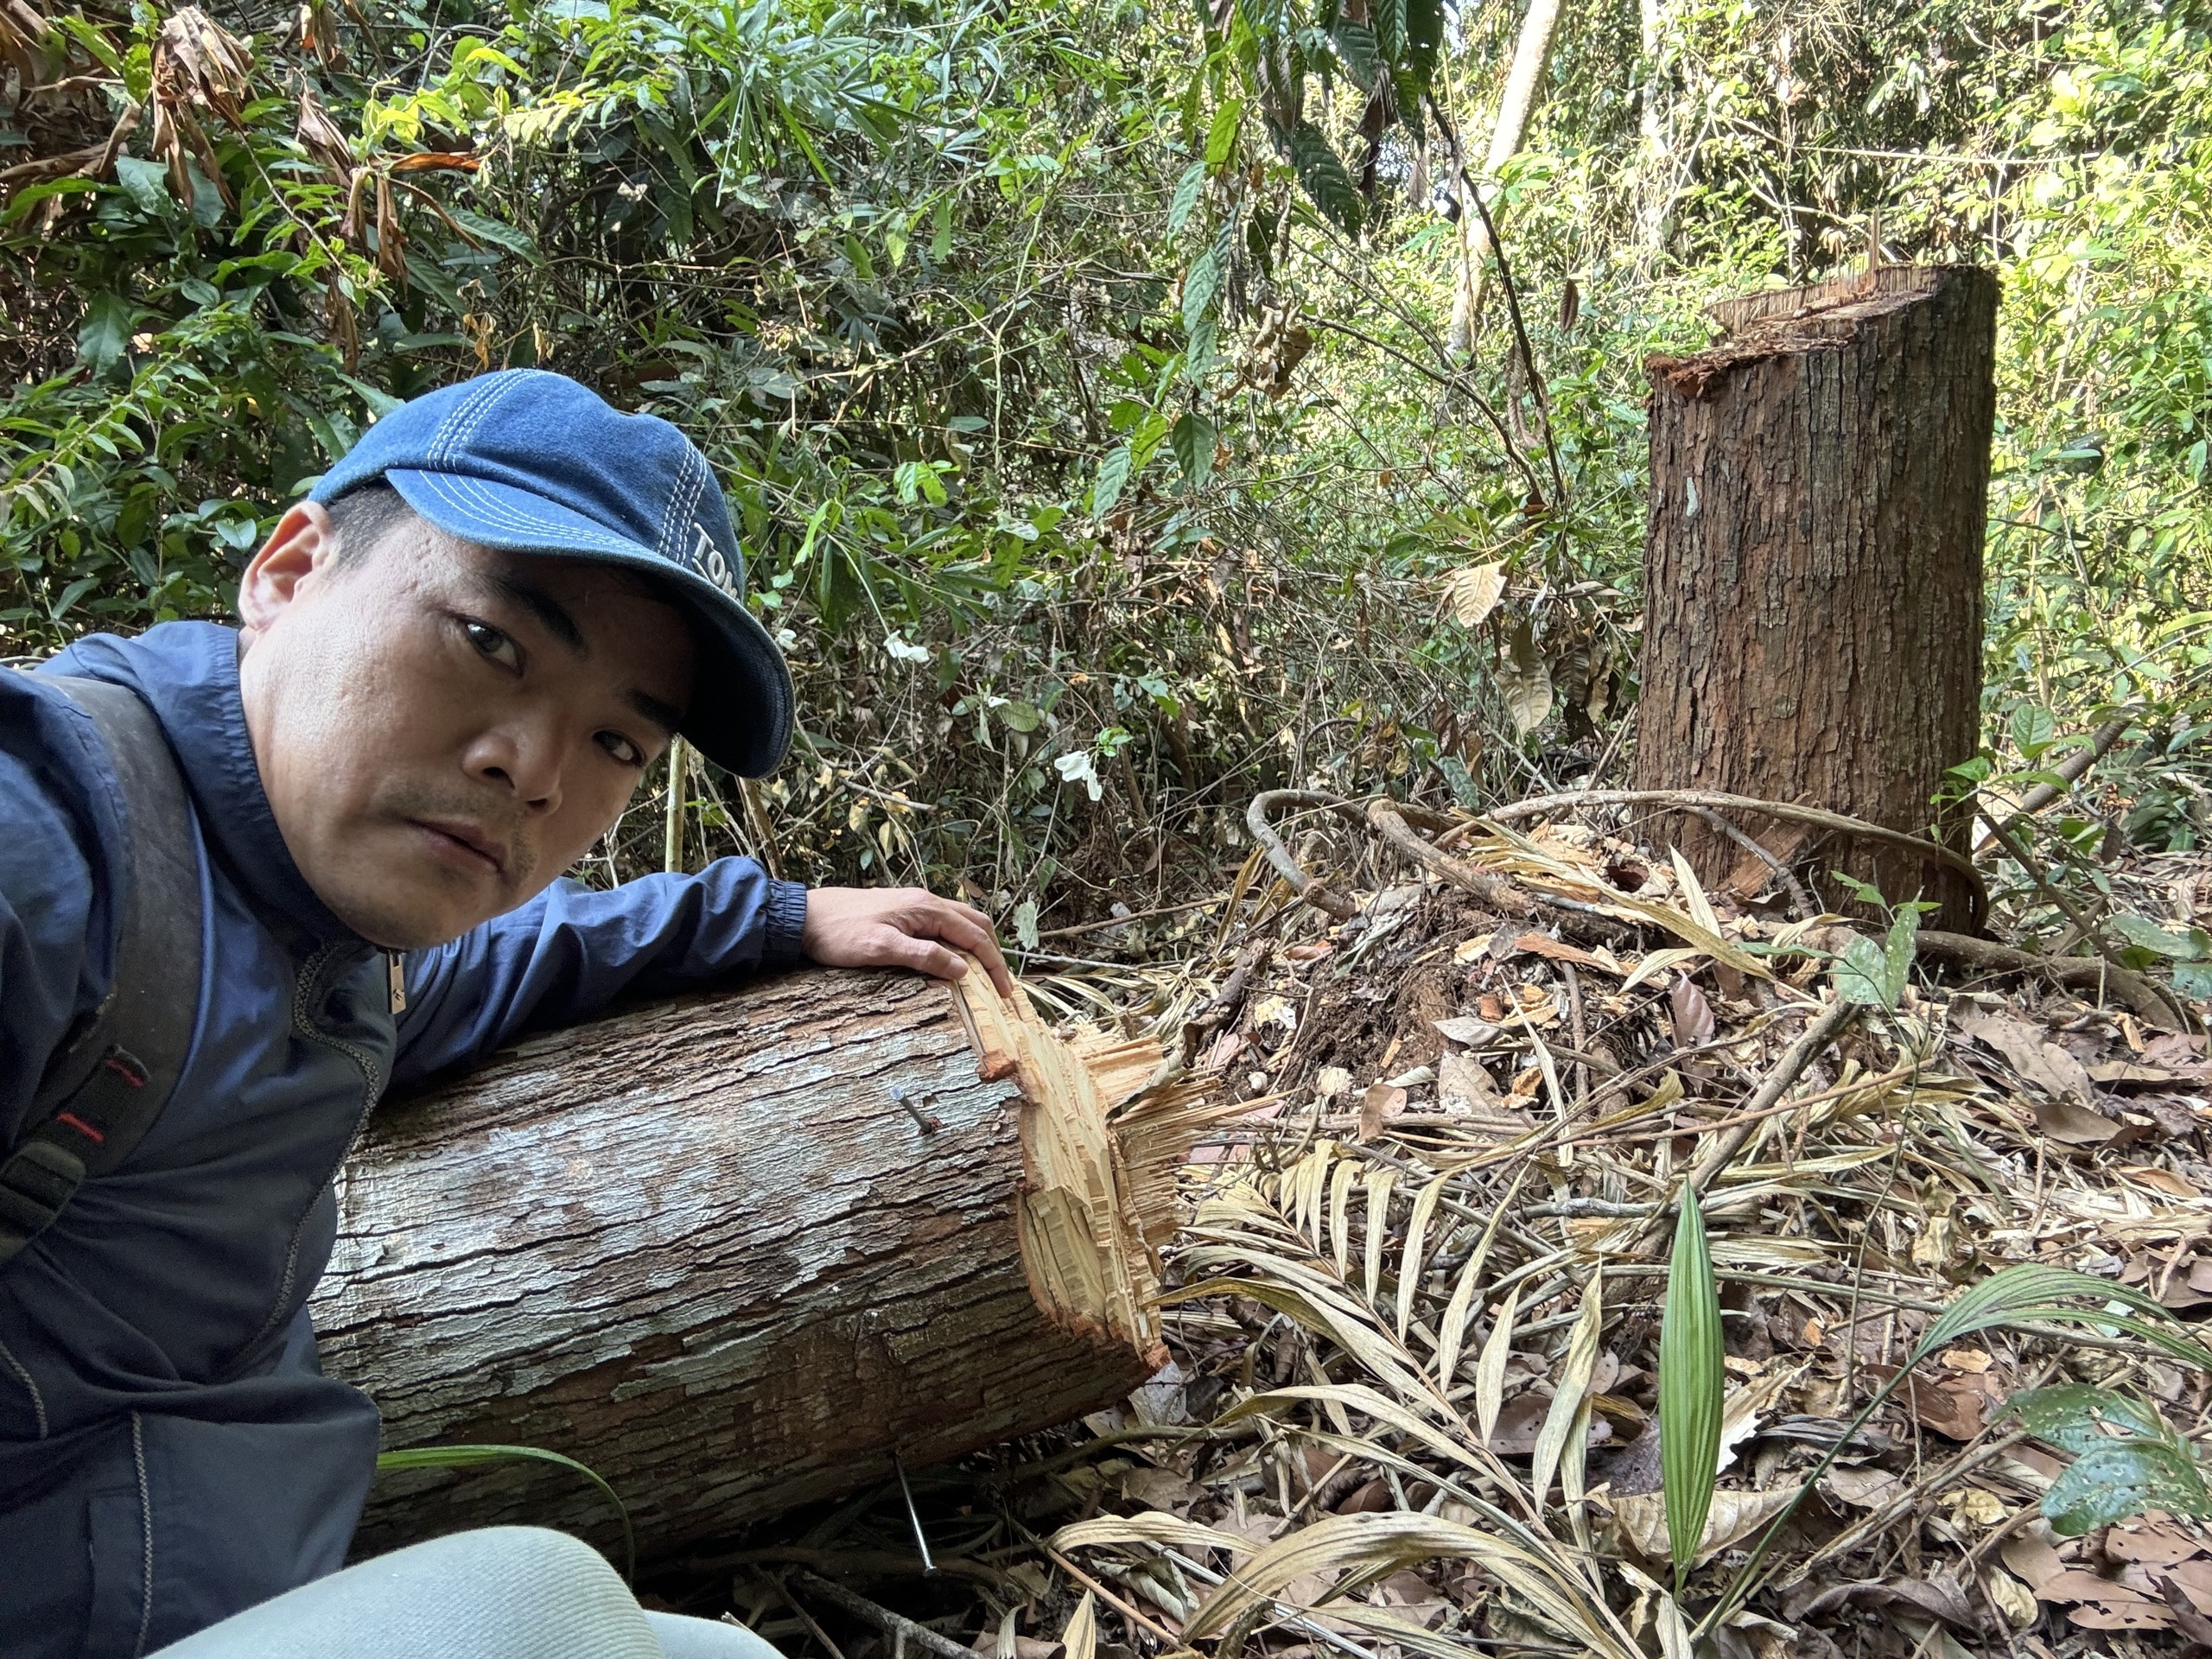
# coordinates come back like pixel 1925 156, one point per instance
pixel 104 1088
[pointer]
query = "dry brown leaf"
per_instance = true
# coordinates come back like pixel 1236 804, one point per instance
pixel 2159 1180
pixel 2077 1126
pixel 1735 1515
pixel 1473 593
pixel 2025 1048
pixel 1692 1014
pixel 1160 1489
pixel 1862 1489
pixel 2154 1539
pixel 1381 1103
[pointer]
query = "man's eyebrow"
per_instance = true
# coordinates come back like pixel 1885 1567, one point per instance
pixel 551 614
pixel 662 714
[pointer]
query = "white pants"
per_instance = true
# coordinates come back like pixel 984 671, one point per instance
pixel 501 1593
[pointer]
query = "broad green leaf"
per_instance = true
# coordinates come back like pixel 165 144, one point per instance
pixel 1200 284
pixel 2077 1416
pixel 2110 1482
pixel 2194 980
pixel 1186 196
pixel 510 237
pixel 105 335
pixel 1113 474
pixel 2192 946
pixel 1326 182
pixel 1693 1386
pixel 1221 136
pixel 941 230
pixel 2033 730
pixel 1862 973
pixel 1192 440
pixel 1897 967
pixel 1357 52
pixel 147 184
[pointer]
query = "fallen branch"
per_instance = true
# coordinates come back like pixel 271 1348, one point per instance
pixel 871 1613
pixel 1835 823
pixel 2075 973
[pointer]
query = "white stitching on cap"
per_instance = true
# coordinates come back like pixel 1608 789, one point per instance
pixel 447 438
pixel 471 495
pixel 691 485
pixel 505 381
pixel 668 506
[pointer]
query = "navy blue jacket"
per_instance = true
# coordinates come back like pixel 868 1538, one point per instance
pixel 169 1451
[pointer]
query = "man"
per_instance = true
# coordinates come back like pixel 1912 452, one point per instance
pixel 456 659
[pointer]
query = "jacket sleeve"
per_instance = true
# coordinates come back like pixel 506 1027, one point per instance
pixel 570 951
pixel 57 818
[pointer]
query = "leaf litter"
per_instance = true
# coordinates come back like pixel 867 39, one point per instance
pixel 1418 1316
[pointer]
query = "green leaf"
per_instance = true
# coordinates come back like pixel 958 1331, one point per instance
pixel 1897 954
pixel 1192 440
pixel 509 239
pixel 2113 1482
pixel 2192 946
pixel 1357 52
pixel 1018 716
pixel 1693 1382
pixel 147 184
pixel 468 1457
pixel 2033 730
pixel 941 230
pixel 105 335
pixel 1221 136
pixel 1324 176
pixel 2194 980
pixel 1200 284
pixel 1862 974
pixel 2078 1417
pixel 1186 196
pixel 2128 1459
pixel 1113 474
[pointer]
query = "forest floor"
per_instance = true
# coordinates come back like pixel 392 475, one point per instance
pixel 1413 1402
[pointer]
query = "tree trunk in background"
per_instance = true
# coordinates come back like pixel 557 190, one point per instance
pixel 1813 574
pixel 704 1249
pixel 1532 55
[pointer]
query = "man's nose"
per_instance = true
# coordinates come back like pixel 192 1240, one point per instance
pixel 525 757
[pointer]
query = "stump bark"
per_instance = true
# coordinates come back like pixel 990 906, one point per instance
pixel 703 1248
pixel 1813 624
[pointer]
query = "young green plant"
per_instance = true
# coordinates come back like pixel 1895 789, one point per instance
pixel 1692 1381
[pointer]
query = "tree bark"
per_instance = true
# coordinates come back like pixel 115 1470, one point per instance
pixel 703 1248
pixel 1812 572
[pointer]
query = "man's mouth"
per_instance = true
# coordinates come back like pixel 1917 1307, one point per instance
pixel 464 846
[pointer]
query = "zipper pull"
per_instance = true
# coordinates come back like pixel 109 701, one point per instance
pixel 396 980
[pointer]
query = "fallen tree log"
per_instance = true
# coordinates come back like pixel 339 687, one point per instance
pixel 734 1252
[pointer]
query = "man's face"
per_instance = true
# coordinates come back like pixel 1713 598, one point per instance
pixel 443 728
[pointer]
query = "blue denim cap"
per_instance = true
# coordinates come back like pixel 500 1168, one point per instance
pixel 534 463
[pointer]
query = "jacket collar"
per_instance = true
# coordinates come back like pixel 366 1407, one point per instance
pixel 188 672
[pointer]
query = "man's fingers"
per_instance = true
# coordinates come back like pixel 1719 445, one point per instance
pixel 970 930
pixel 923 954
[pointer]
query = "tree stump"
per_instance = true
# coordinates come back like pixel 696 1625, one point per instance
pixel 705 1248
pixel 1813 574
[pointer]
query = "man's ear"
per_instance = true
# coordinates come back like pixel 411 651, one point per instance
pixel 300 552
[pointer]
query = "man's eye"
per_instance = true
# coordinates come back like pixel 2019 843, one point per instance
pixel 622 749
pixel 492 643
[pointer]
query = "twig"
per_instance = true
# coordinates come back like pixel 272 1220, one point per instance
pixel 2071 770
pixel 1520 334
pixel 1105 1595
pixel 1287 865
pixel 1801 1054
pixel 1840 823
pixel 1801 902
pixel 2074 913
pixel 805 1617
pixel 883 1618
pixel 1501 893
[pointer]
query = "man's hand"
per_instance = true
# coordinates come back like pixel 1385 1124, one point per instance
pixel 900 927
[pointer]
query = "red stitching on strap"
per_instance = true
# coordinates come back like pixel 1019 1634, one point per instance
pixel 82 1127
pixel 124 1069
